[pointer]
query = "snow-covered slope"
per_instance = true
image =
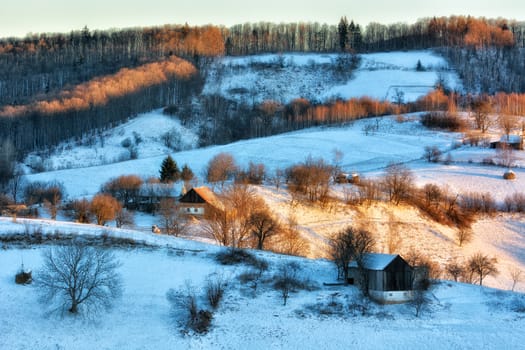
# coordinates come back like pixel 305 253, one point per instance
pixel 379 75
pixel 458 316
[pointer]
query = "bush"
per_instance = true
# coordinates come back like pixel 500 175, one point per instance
pixel 186 311
pixel 23 277
pixel 239 256
pixel 215 286
pixel 509 175
pixel 444 121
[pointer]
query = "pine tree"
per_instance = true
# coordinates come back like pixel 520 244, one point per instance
pixel 186 174
pixel 169 172
pixel 342 30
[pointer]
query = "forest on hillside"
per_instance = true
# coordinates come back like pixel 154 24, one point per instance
pixel 87 80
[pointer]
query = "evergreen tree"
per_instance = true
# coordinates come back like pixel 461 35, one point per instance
pixel 169 172
pixel 342 30
pixel 186 174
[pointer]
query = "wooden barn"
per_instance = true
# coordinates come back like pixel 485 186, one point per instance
pixel 512 141
pixel 390 278
pixel 198 200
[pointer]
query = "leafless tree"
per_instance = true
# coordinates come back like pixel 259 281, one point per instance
pixel 482 109
pixel 16 183
pixel 123 217
pixel 351 244
pixel 290 241
pixel 277 178
pixel 505 155
pixel 311 178
pixel 517 276
pixel 420 298
pixel 482 266
pixel 463 235
pixel 432 154
pixel 221 168
pixel 263 226
pixel 507 122
pixel 455 270
pixel 398 182
pixel 230 225
pixel 7 161
pixel 173 221
pixel 104 207
pixel 76 276
pixel 286 280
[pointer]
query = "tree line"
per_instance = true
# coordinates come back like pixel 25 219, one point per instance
pixel 97 104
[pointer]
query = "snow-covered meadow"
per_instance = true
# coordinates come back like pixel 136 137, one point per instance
pixel 458 315
pixel 378 75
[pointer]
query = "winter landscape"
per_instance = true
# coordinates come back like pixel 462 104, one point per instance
pixel 196 189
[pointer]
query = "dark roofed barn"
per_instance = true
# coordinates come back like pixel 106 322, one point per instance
pixel 389 277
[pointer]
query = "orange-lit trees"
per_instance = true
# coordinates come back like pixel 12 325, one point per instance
pixel 104 207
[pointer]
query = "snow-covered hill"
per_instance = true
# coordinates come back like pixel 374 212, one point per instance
pixel 379 75
pixel 458 316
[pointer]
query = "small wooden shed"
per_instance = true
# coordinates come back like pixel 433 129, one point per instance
pixel 389 277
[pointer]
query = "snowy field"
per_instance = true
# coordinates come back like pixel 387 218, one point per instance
pixel 458 316
pixel 365 153
pixel 379 75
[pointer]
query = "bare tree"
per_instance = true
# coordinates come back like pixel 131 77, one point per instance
pixel 398 182
pixel 432 154
pixel 507 122
pixel 286 280
pixel 263 226
pixel 463 235
pixel 455 270
pixel 16 183
pixel 77 275
pixel 123 217
pixel 104 207
pixel 7 161
pixel 230 225
pixel 517 276
pixel 174 222
pixel 311 178
pixel 290 241
pixel 351 244
pixel 482 109
pixel 221 168
pixel 420 298
pixel 482 266
pixel 506 155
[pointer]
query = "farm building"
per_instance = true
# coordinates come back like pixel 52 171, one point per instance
pixel 389 277
pixel 513 141
pixel 198 200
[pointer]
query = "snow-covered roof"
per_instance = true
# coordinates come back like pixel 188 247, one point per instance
pixel 376 261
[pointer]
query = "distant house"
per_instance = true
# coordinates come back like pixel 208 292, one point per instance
pixel 198 200
pixel 514 141
pixel 390 278
pixel 150 195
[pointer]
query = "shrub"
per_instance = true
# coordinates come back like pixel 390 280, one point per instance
pixel 509 175
pixel 215 286
pixel 239 256
pixel 23 277
pixel 444 121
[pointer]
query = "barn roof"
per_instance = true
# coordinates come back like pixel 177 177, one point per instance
pixel 205 194
pixel 376 261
